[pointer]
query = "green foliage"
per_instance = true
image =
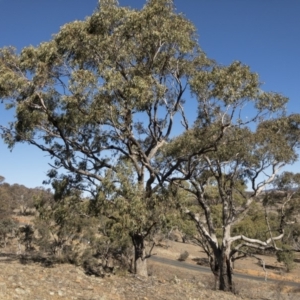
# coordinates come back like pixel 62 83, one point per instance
pixel 287 257
pixel 254 224
pixel 70 232
pixel 60 222
pixel 126 206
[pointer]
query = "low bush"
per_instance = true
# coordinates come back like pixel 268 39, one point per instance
pixel 183 256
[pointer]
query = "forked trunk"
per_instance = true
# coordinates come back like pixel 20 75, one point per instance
pixel 139 259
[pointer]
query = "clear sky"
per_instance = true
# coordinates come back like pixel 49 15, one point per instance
pixel 262 34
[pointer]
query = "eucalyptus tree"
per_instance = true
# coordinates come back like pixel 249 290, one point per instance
pixel 227 182
pixel 102 90
pixel 288 188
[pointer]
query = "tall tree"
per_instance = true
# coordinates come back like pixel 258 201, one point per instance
pixel 102 90
pixel 247 147
pixel 218 181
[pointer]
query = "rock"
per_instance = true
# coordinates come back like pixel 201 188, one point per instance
pixel 20 291
pixel 2 288
pixel 35 283
pixel 176 280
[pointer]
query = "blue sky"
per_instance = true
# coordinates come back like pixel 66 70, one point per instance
pixel 262 34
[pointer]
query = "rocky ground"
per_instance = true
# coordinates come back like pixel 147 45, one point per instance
pixel 28 280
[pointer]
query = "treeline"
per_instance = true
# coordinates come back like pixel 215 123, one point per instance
pixel 19 199
pixel 16 201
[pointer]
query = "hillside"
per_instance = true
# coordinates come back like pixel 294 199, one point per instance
pixel 24 279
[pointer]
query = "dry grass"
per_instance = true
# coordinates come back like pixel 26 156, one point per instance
pixel 249 265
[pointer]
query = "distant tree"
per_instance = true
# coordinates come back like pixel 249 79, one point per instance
pixel 7 224
pixel 6 201
pixel 7 227
pixel 288 193
pixel 19 198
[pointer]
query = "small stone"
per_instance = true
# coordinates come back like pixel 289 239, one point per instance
pixel 60 293
pixel 35 283
pixel 2 288
pixel 52 293
pixel 20 291
pixel 176 280
pixel 201 284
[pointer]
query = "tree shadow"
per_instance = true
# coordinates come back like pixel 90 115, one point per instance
pixel 203 261
pixel 8 257
pixel 45 261
pixel 272 267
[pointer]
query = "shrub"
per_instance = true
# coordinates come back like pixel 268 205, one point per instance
pixel 183 256
pixel 287 258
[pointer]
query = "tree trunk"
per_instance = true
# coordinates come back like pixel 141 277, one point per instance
pixel 223 271
pixel 139 259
